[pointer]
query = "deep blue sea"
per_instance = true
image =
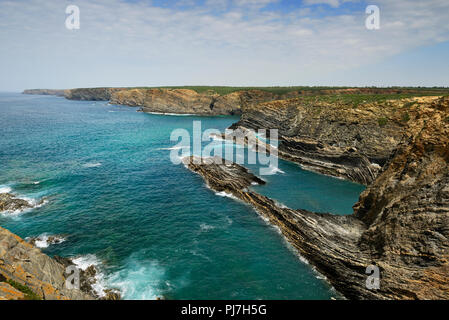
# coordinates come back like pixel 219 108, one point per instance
pixel 153 228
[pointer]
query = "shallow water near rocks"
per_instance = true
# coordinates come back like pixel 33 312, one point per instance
pixel 153 227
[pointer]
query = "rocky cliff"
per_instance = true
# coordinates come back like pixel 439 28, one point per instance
pixel 27 273
pixel 338 139
pixel 186 101
pixel 400 223
pixel 180 101
pixel 50 92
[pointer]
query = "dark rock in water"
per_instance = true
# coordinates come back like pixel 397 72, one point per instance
pixel 8 202
pixel 88 279
pixel 87 276
pixel 45 241
pixel 112 294
pixel 400 224
pixel 227 176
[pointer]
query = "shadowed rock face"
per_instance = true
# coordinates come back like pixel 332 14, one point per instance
pixel 334 139
pixel 25 264
pixel 400 224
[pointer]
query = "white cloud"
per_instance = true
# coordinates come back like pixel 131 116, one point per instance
pixel 332 3
pixel 123 43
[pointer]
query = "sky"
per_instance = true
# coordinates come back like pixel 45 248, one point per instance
pixel 223 42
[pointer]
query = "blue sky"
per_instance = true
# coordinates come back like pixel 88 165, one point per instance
pixel 223 42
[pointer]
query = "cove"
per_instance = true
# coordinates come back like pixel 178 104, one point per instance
pixel 152 227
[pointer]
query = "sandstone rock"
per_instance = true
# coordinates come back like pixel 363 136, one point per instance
pixel 28 266
pixel 8 292
pixel 333 139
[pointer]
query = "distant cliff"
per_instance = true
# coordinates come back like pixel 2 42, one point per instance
pixel 90 94
pixel 181 101
pixel 50 92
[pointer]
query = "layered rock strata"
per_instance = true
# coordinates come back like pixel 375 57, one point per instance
pixel 24 266
pixel 334 139
pixel 400 224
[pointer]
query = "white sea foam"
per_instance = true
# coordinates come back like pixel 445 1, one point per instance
pixel 5 189
pixel 273 170
pixel 85 261
pixel 140 281
pixel 92 165
pixel 172 114
pixel 225 194
pixel 280 205
pixel 44 240
pixel 174 148
pixel 206 227
pixel 32 202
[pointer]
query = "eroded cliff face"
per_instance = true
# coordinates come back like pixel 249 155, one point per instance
pixel 400 224
pixel 23 264
pixel 186 101
pixel 406 209
pixel 331 138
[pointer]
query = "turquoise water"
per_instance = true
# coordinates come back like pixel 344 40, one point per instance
pixel 153 227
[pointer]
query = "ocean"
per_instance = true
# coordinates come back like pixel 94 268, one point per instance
pixel 101 178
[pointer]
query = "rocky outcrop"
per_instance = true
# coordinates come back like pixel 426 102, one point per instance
pixel 328 242
pixel 10 203
pixel 27 270
pixel 334 138
pixel 406 209
pixel 186 101
pixel 399 225
pixel 44 240
pixel 88 278
pixel 49 92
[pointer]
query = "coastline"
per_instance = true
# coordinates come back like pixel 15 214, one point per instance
pixel 375 212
